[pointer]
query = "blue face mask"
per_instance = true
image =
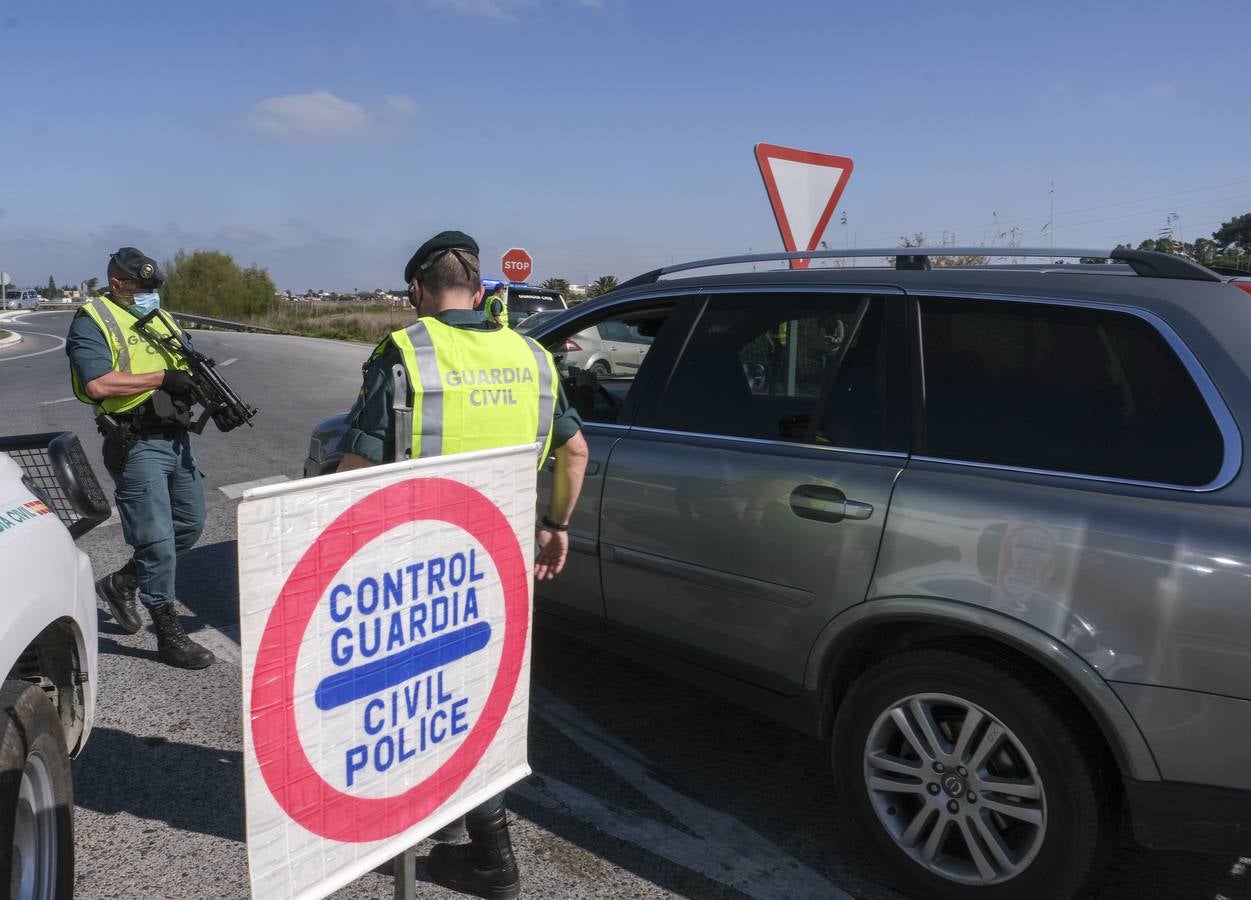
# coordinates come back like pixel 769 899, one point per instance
pixel 145 303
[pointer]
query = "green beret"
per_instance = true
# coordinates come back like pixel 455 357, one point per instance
pixel 444 240
pixel 139 267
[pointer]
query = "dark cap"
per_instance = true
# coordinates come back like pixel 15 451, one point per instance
pixel 444 240
pixel 138 266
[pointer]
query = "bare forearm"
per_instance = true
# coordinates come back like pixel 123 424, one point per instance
pixel 123 384
pixel 571 461
pixel 351 461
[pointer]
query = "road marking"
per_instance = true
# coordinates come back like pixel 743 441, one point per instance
pixel 229 362
pixel 60 343
pixel 62 400
pixel 224 641
pixel 235 491
pixel 717 845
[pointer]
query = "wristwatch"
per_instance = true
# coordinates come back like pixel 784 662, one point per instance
pixel 548 524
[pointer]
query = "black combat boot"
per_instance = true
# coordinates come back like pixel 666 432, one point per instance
pixel 120 590
pixel 485 867
pixel 452 831
pixel 172 643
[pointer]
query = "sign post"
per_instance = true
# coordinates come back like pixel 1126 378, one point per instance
pixel 516 264
pixel 804 188
pixel 385 631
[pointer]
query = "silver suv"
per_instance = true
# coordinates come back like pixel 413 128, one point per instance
pixel 985 528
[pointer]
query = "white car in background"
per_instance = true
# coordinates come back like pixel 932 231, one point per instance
pixel 49 495
pixel 610 348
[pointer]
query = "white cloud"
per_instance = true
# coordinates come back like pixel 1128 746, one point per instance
pixel 495 9
pixel 492 9
pixel 400 106
pixel 321 116
pixel 316 115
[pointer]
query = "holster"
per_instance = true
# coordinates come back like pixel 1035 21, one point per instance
pixel 119 436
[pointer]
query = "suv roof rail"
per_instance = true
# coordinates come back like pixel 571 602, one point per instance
pixel 1147 263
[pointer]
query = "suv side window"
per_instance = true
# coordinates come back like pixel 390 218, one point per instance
pixel 1065 389
pixel 602 397
pixel 803 368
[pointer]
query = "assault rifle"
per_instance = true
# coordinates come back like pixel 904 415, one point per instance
pixel 220 402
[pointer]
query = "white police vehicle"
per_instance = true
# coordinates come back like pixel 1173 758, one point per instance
pixel 24 299
pixel 49 495
pixel 524 299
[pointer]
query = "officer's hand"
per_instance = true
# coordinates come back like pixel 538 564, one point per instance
pixel 553 548
pixel 178 384
pixel 227 419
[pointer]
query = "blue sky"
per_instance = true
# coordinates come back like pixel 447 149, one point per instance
pixel 324 141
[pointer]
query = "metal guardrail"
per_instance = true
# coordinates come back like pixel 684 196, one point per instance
pixel 220 324
pixel 181 318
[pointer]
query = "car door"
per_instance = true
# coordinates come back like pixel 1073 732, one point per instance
pixel 745 507
pixel 622 347
pixel 606 407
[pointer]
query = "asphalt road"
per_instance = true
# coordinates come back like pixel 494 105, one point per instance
pixel 644 787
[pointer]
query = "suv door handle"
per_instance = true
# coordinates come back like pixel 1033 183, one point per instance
pixel 827 504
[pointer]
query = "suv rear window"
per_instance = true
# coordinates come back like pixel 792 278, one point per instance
pixel 1064 389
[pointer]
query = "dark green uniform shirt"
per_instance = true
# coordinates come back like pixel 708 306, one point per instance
pixel 371 427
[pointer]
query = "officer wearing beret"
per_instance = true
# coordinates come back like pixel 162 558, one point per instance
pixel 142 396
pixel 451 334
pixel 495 304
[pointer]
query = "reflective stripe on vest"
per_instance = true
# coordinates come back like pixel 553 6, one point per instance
pixel 132 351
pixel 475 390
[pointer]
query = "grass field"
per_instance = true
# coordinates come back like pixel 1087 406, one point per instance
pixel 368 322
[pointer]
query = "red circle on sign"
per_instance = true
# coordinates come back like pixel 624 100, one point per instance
pixel 298 787
pixel 516 264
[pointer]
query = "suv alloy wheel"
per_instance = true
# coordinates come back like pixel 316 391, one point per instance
pixel 969 779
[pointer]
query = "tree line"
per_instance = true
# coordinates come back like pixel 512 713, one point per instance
pixel 1229 247
pixel 211 283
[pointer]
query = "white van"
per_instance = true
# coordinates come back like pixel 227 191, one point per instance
pixel 23 299
pixel 49 495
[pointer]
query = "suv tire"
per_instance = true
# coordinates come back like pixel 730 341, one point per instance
pixel 36 797
pixel 900 754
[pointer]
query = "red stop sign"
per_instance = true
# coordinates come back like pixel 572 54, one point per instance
pixel 516 264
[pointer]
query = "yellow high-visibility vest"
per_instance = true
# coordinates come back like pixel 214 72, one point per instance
pixel 495 308
pixel 475 390
pixel 133 352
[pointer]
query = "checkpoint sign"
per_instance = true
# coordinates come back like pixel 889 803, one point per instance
pixel 385 635
pixel 516 264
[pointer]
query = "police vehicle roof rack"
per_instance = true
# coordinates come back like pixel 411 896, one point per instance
pixel 1146 263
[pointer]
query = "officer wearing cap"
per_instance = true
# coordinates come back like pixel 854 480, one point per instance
pixel 142 396
pixel 495 304
pixel 450 336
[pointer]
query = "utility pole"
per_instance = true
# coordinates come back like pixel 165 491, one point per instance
pixel 1051 220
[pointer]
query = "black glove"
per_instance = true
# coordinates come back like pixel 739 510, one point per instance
pixel 227 419
pixel 178 384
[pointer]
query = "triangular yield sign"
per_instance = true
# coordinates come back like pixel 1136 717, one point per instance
pixel 804 187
